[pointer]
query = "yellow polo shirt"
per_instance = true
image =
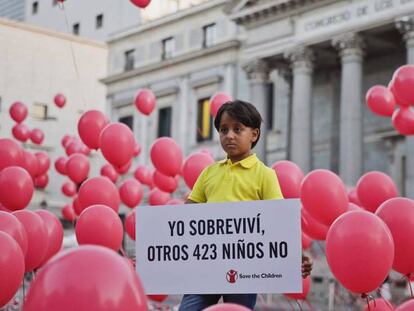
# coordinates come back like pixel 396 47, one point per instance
pixel 246 180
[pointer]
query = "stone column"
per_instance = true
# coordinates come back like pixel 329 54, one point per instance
pixel 406 26
pixel 258 75
pixel 301 136
pixel 350 47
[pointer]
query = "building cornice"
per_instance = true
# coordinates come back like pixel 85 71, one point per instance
pixel 219 48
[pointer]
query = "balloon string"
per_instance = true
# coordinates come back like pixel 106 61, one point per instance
pixel 290 304
pixel 409 284
pixel 300 307
pixel 280 306
pixel 309 305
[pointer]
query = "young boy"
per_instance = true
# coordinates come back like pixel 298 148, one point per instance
pixel 240 177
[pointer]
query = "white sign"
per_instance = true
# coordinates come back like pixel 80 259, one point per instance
pixel 219 248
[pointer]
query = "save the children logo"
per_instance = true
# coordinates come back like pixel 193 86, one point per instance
pixel 231 276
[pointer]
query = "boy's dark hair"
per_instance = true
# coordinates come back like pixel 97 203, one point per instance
pixel 243 112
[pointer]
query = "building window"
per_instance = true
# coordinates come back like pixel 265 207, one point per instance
pixel 204 121
pixel 40 111
pixel 76 29
pixel 128 121
pixel 269 117
pixel 99 21
pixel 168 46
pixel 129 60
pixel 164 122
pixel 35 7
pixel 209 35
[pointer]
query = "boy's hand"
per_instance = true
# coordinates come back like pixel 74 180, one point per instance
pixel 306 266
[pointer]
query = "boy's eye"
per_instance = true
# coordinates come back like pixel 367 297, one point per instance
pixel 223 130
pixel 237 130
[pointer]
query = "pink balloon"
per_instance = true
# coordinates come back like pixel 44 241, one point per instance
pixel 130 224
pixel 54 233
pixel 60 100
pixel 227 307
pixel 353 207
pixel 30 163
pixel 75 146
pixel 290 177
pixel 306 241
pixel 90 126
pixel 37 136
pixel 11 154
pixel 137 150
pixel 108 282
pixel 43 161
pixel 323 195
pixel 175 202
pixel 36 237
pixel 306 284
pixel 77 167
pixel 353 196
pixel 117 144
pixel 66 139
pixel 398 214
pixel 16 188
pixel 143 175
pixel 41 181
pixel 69 189
pixel 217 100
pixel 18 112
pixel 380 100
pixel 124 168
pixel 194 165
pixel 359 251
pixel 406 306
pixel 77 208
pixel 144 100
pixel 374 188
pixel 109 171
pixel 158 197
pixel 379 304
pixel 131 192
pixel 21 132
pixel 11 268
pixel 402 85
pixel 165 183
pixel 68 213
pixel 60 165
pixel 12 226
pixel 166 156
pixel 403 120
pixel 98 190
pixel 99 225
pixel 313 228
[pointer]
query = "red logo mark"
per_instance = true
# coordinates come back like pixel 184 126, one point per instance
pixel 231 276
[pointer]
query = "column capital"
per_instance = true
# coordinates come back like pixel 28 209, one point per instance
pixel 349 44
pixel 406 27
pixel 257 70
pixel 301 57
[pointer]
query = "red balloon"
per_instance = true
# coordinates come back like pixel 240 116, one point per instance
pixel 18 112
pixel 403 120
pixel 131 192
pixel 130 224
pixel 41 181
pixel 21 132
pixel 11 154
pixel 37 136
pixel 75 146
pixel 323 195
pixel 12 226
pixel 143 175
pixel 194 165
pixel 69 189
pixel 158 197
pixel 99 225
pixel 11 268
pixel 98 190
pixel 379 304
pixel 217 100
pixel 353 196
pixel 359 251
pixel 66 140
pixel 402 85
pixel 144 100
pixel 165 183
pixel 60 165
pixel 36 237
pixel 313 228
pixel 107 282
pixel 77 167
pixel 16 188
pixel 157 298
pixel 109 171
pixel 398 214
pixel 406 306
pixel 90 126
pixel 166 156
pixel 306 241
pixel 380 100
pixel 68 213
pixel 175 202
pixel 60 100
pixel 124 169
pixel 30 163
pixel 117 144
pixel 227 307
pixel 54 233
pixel 77 208
pixel 374 188
pixel 353 207
pixel 306 284
pixel 43 161
pixel 290 177
pixel 137 150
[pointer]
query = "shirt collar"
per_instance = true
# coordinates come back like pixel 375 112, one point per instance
pixel 246 163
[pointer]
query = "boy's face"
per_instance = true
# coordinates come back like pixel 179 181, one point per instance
pixel 236 138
